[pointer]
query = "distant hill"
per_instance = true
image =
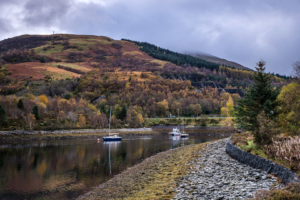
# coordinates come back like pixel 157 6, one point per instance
pixel 221 61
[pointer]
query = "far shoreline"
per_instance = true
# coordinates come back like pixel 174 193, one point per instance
pixel 99 133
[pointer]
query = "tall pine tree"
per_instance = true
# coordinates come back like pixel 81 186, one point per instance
pixel 123 113
pixel 36 112
pixel 260 97
pixel 3 119
pixel 20 104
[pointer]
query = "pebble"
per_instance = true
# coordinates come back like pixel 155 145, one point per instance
pixel 215 175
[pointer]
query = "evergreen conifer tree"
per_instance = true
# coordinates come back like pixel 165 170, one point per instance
pixel 3 119
pixel 36 112
pixel 21 104
pixel 260 97
pixel 123 112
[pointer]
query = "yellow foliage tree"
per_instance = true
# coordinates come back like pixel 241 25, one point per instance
pixel 140 119
pixel 289 109
pixel 43 98
pixel 92 107
pixel 229 106
pixel 31 96
pixel 163 106
pixel 82 121
pixel 225 112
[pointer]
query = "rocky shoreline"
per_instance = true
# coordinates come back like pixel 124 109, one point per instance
pixel 76 131
pixel 215 175
pixel 202 171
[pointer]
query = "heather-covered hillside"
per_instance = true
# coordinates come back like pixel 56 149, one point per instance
pixel 96 73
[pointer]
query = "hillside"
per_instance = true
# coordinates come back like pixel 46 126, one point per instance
pixel 220 61
pixel 74 80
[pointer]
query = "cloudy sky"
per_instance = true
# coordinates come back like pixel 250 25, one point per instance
pixel 240 31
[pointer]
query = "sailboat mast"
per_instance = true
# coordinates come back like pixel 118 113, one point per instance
pixel 109 121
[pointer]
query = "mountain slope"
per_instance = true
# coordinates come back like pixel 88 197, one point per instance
pixel 217 60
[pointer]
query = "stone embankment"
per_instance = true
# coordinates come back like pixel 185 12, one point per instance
pixel 215 175
pixel 77 131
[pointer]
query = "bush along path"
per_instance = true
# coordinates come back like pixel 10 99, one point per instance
pixel 215 175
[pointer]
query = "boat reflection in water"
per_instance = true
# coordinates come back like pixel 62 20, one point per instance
pixel 114 145
pixel 177 140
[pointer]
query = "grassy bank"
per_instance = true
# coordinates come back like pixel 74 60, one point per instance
pixel 202 121
pixel 154 178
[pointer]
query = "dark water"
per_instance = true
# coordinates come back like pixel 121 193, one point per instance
pixel 65 169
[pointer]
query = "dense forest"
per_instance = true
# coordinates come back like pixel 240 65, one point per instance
pixel 180 59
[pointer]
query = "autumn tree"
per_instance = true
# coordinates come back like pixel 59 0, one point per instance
pixel 72 117
pixel 82 121
pixel 197 109
pixel 31 96
pixel 30 120
pixel 260 97
pixel 35 111
pixel 289 108
pixel 163 107
pixel 43 98
pixel 118 111
pixel 229 106
pixel 140 119
pixel 3 119
pixel 61 116
pixel 95 119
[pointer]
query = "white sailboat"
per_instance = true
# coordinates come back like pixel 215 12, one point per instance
pixel 183 134
pixel 111 136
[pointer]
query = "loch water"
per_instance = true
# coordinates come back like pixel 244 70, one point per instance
pixel 68 168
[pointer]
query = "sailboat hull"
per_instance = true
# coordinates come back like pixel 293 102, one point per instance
pixel 112 138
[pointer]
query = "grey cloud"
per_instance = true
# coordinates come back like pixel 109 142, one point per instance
pixel 44 12
pixel 4 26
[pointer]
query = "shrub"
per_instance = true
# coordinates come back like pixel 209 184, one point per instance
pixel 116 46
pixel 144 75
pixel 214 122
pixel 288 149
pixel 291 192
pixel 266 130
pixel 68 96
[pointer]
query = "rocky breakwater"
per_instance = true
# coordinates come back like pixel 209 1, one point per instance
pixel 215 175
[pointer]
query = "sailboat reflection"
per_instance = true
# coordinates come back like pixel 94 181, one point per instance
pixel 178 140
pixel 114 145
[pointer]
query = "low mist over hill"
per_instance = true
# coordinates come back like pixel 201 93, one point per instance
pixel 217 60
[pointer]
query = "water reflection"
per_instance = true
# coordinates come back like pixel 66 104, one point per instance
pixel 65 169
pixel 111 145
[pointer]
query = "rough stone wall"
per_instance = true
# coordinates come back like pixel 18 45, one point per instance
pixel 257 162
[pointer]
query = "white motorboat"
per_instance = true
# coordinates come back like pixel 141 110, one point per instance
pixel 175 132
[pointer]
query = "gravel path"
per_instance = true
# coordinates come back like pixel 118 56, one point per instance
pixel 215 175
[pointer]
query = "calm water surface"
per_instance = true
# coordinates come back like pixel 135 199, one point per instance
pixel 65 169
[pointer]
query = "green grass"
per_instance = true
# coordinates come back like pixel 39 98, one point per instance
pixel 58 49
pixel 83 44
pixel 72 65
